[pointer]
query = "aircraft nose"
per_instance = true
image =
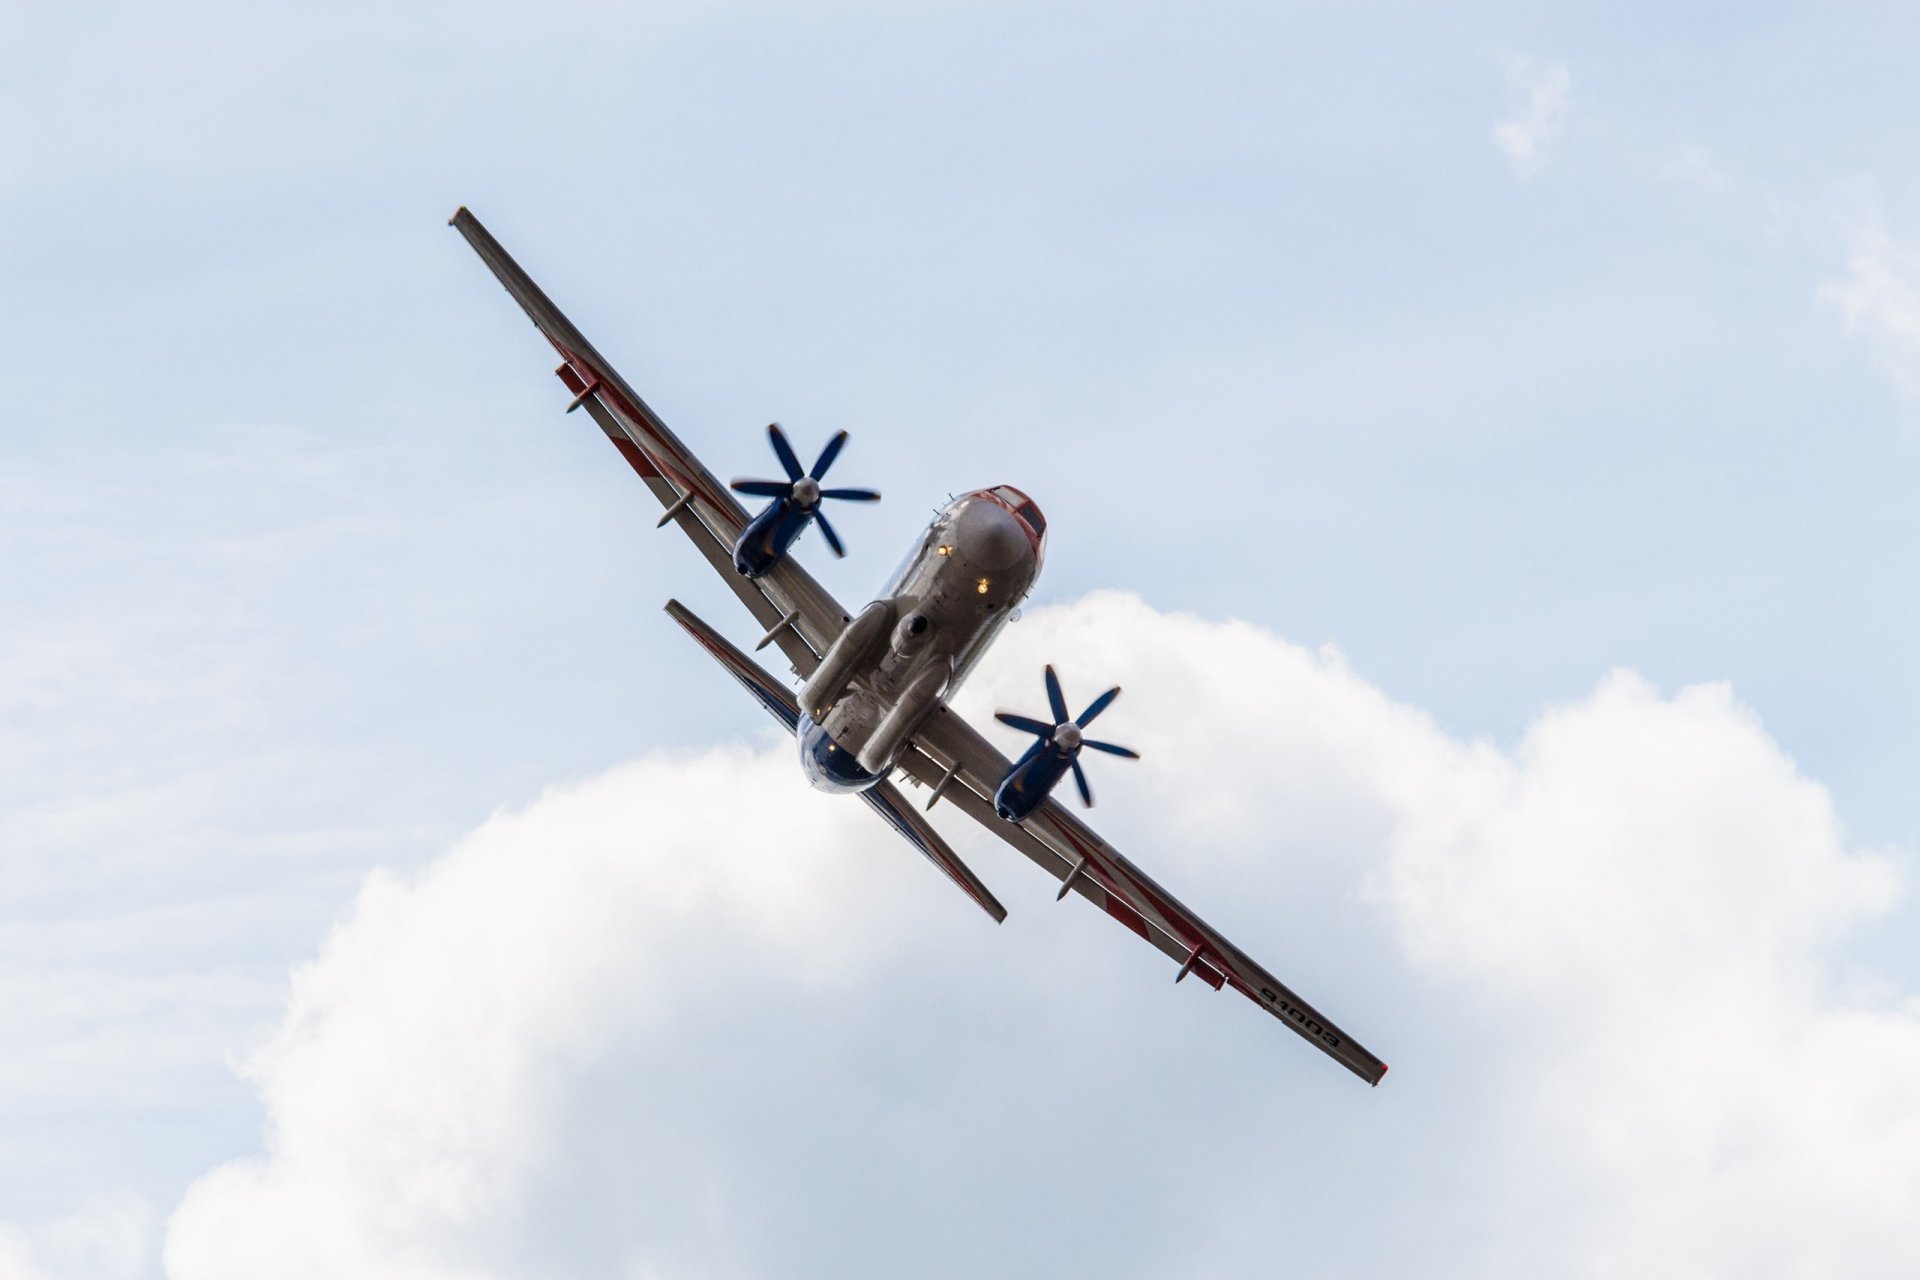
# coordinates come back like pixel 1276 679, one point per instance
pixel 990 537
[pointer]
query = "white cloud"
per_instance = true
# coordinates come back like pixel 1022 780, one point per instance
pixel 1545 92
pixel 686 1018
pixel 424 1055
pixel 109 1239
pixel 1658 892
pixel 1878 297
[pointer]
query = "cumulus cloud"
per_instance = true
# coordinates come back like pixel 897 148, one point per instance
pixel 426 1056
pixel 1657 891
pixel 109 1239
pixel 1544 91
pixel 688 1018
pixel 1878 297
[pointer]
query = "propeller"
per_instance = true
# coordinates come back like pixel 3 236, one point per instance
pixel 802 488
pixel 1065 734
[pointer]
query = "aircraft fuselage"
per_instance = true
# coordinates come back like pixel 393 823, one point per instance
pixel 910 649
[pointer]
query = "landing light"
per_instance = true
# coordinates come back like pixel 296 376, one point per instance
pixel 983 586
pixel 943 550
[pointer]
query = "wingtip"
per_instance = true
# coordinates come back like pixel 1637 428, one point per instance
pixel 458 214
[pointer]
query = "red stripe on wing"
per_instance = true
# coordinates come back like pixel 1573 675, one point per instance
pixel 635 459
pixel 578 373
pixel 1118 908
pixel 1207 968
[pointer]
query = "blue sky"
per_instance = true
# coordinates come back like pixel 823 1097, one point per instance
pixel 1496 348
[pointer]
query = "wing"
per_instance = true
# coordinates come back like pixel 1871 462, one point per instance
pixel 949 755
pixel 884 798
pixel 799 615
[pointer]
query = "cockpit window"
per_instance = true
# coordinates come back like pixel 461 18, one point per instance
pixel 1023 505
pixel 938 533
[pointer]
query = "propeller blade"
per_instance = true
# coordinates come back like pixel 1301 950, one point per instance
pixel 827 455
pixel 1110 749
pixel 1025 724
pixel 1098 705
pixel 788 462
pixel 852 495
pixel 826 531
pixel 763 488
pixel 1080 777
pixel 1056 700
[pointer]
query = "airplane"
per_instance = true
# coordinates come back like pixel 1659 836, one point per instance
pixel 874 685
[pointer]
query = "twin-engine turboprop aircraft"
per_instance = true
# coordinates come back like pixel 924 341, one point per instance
pixel 875 684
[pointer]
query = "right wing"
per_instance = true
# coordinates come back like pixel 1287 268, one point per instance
pixel 800 616
pixel 951 756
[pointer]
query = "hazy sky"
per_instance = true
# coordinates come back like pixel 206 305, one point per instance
pixel 1506 424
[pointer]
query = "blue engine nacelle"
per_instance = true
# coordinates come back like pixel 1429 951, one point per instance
pixel 1032 778
pixel 796 504
pixel 767 537
pixel 1055 753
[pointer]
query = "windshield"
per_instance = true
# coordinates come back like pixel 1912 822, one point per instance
pixel 935 532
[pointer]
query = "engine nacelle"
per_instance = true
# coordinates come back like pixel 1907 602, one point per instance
pixel 764 542
pixel 915 702
pixel 852 651
pixel 1054 753
pixel 1030 781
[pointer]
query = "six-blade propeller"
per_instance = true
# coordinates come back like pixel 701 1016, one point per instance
pixel 802 488
pixel 1064 734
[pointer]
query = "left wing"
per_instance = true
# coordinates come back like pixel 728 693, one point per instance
pixel 951 756
pixel 800 616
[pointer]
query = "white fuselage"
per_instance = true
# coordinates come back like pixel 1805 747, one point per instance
pixel 911 648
